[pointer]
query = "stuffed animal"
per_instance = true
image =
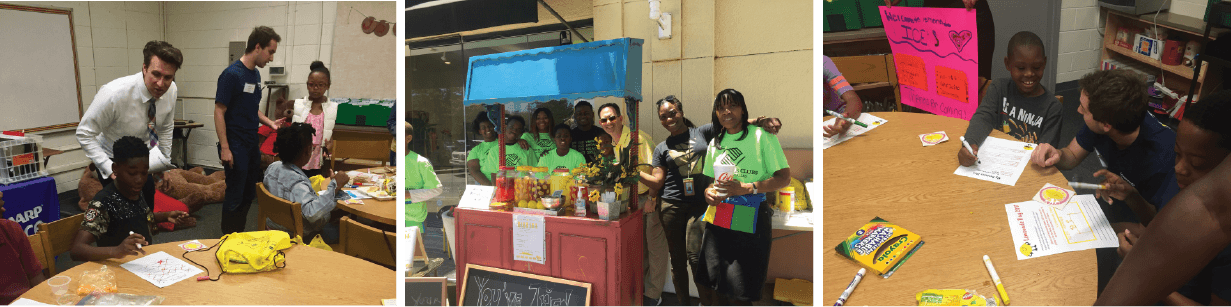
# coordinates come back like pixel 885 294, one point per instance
pixel 1190 53
pixel 87 187
pixel 193 187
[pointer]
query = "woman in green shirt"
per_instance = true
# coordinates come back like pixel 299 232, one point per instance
pixel 737 261
pixel 540 136
pixel 422 183
pixel 474 159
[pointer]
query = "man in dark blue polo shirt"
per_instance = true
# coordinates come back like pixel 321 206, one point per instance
pixel 1139 152
pixel 236 118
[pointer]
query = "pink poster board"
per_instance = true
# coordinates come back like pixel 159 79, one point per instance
pixel 936 51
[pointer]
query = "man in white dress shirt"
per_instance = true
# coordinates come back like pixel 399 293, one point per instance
pixel 138 105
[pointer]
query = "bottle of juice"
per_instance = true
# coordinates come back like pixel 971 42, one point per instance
pixel 519 185
pixel 504 185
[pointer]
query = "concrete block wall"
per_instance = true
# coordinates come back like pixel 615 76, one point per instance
pixel 203 30
pixel 764 50
pixel 1080 41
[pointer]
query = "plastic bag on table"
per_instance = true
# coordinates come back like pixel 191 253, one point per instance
pixel 101 280
pixel 121 299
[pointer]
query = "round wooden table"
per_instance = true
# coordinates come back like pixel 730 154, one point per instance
pixel 887 173
pixel 381 211
pixel 311 277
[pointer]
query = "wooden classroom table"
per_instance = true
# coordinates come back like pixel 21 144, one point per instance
pixel 312 276
pixel 887 173
pixel 381 211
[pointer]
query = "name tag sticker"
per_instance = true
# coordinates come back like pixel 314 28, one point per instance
pixel 249 88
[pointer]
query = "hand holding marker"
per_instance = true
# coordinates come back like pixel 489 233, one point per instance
pixel 839 116
pixel 967 145
pixel 138 244
pixel 1083 185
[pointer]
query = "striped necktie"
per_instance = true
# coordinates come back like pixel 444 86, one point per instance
pixel 150 114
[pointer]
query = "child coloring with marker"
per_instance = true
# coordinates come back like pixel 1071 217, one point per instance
pixel 1018 105
pixel 840 97
pixel 118 218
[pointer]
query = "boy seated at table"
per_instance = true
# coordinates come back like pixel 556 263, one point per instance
pixel 118 218
pixel 20 270
pixel 563 157
pixel 1202 141
pixel 286 179
pixel 839 97
pixel 1019 105
pixel 421 182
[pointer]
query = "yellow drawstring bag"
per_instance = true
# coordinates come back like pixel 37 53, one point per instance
pixel 254 251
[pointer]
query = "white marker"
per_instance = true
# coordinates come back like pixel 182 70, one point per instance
pixel 967 145
pixel 1100 158
pixel 851 287
pixel 138 244
pixel 1004 296
pixel 1083 185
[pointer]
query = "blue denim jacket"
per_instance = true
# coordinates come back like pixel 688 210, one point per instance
pixel 290 183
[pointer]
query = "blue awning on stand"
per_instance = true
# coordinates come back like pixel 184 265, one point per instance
pixel 610 68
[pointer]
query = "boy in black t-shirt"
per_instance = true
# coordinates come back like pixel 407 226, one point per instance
pixel 118 218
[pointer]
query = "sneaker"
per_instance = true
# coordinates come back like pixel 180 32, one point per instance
pixel 647 301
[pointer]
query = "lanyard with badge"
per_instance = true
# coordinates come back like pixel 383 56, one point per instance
pixel 689 188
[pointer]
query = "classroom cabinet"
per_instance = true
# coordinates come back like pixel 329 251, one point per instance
pixel 606 254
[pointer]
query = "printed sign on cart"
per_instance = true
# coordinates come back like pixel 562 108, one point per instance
pixel 529 236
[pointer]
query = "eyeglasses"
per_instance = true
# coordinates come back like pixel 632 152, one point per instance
pixel 318 85
pixel 608 119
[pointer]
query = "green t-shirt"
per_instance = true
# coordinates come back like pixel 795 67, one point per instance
pixel 539 145
pixel 756 157
pixel 419 175
pixel 514 156
pixel 479 152
pixel 569 161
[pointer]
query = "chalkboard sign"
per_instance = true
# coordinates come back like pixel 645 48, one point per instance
pixel 426 291
pixel 489 286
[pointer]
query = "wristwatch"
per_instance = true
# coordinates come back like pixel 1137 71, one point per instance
pixel 754 188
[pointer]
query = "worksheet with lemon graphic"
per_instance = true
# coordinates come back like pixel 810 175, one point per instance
pixel 1040 230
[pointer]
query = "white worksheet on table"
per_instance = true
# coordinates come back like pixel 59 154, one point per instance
pixel 1001 161
pixel 161 269
pixel 871 120
pixel 1041 230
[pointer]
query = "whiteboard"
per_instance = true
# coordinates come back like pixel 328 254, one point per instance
pixel 39 84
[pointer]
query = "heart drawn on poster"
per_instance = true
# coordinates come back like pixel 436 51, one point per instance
pixel 960 39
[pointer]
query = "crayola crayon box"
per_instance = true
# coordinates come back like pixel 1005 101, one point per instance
pixel 880 246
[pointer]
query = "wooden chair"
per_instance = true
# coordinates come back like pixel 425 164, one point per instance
pixel 40 244
pixel 60 235
pixel 281 211
pixel 365 242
